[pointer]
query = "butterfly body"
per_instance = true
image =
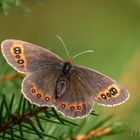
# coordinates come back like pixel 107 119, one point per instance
pixel 61 85
pixel 66 67
pixel 50 81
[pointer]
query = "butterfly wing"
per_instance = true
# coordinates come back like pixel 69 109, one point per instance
pixel 102 89
pixel 39 87
pixel 75 102
pixel 26 57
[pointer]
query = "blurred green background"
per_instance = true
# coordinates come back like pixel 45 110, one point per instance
pixel 110 27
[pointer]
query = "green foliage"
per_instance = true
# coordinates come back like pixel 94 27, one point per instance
pixel 18 121
pixel 5 6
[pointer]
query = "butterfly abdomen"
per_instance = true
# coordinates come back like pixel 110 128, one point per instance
pixel 61 86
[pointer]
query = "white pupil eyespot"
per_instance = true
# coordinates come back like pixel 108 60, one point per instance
pixel 17 49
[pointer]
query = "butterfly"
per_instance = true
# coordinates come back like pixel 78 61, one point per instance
pixel 51 81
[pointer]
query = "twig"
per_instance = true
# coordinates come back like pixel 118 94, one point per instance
pixel 15 119
pixel 94 133
pixel 11 76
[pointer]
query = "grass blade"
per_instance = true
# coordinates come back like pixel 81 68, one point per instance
pixel 21 130
pixel 39 123
pixel 35 129
pixel 20 104
pixel 24 106
pixel 1 113
pixel 57 116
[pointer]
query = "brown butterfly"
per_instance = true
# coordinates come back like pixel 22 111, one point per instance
pixel 50 81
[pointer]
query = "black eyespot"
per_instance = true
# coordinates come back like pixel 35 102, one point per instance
pixel 108 95
pixel 103 96
pixel 22 66
pixel 113 91
pixel 79 107
pixel 71 108
pixel 38 95
pixel 20 61
pixel 17 56
pixel 47 98
pixel 63 106
pixel 33 90
pixel 17 50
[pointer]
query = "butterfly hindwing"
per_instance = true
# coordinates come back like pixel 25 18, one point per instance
pixel 102 89
pixel 74 102
pixel 26 57
pixel 39 87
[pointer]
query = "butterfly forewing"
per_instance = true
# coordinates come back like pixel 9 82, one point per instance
pixel 101 88
pixel 26 57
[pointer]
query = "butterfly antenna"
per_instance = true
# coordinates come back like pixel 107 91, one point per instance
pixel 88 51
pixel 63 45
